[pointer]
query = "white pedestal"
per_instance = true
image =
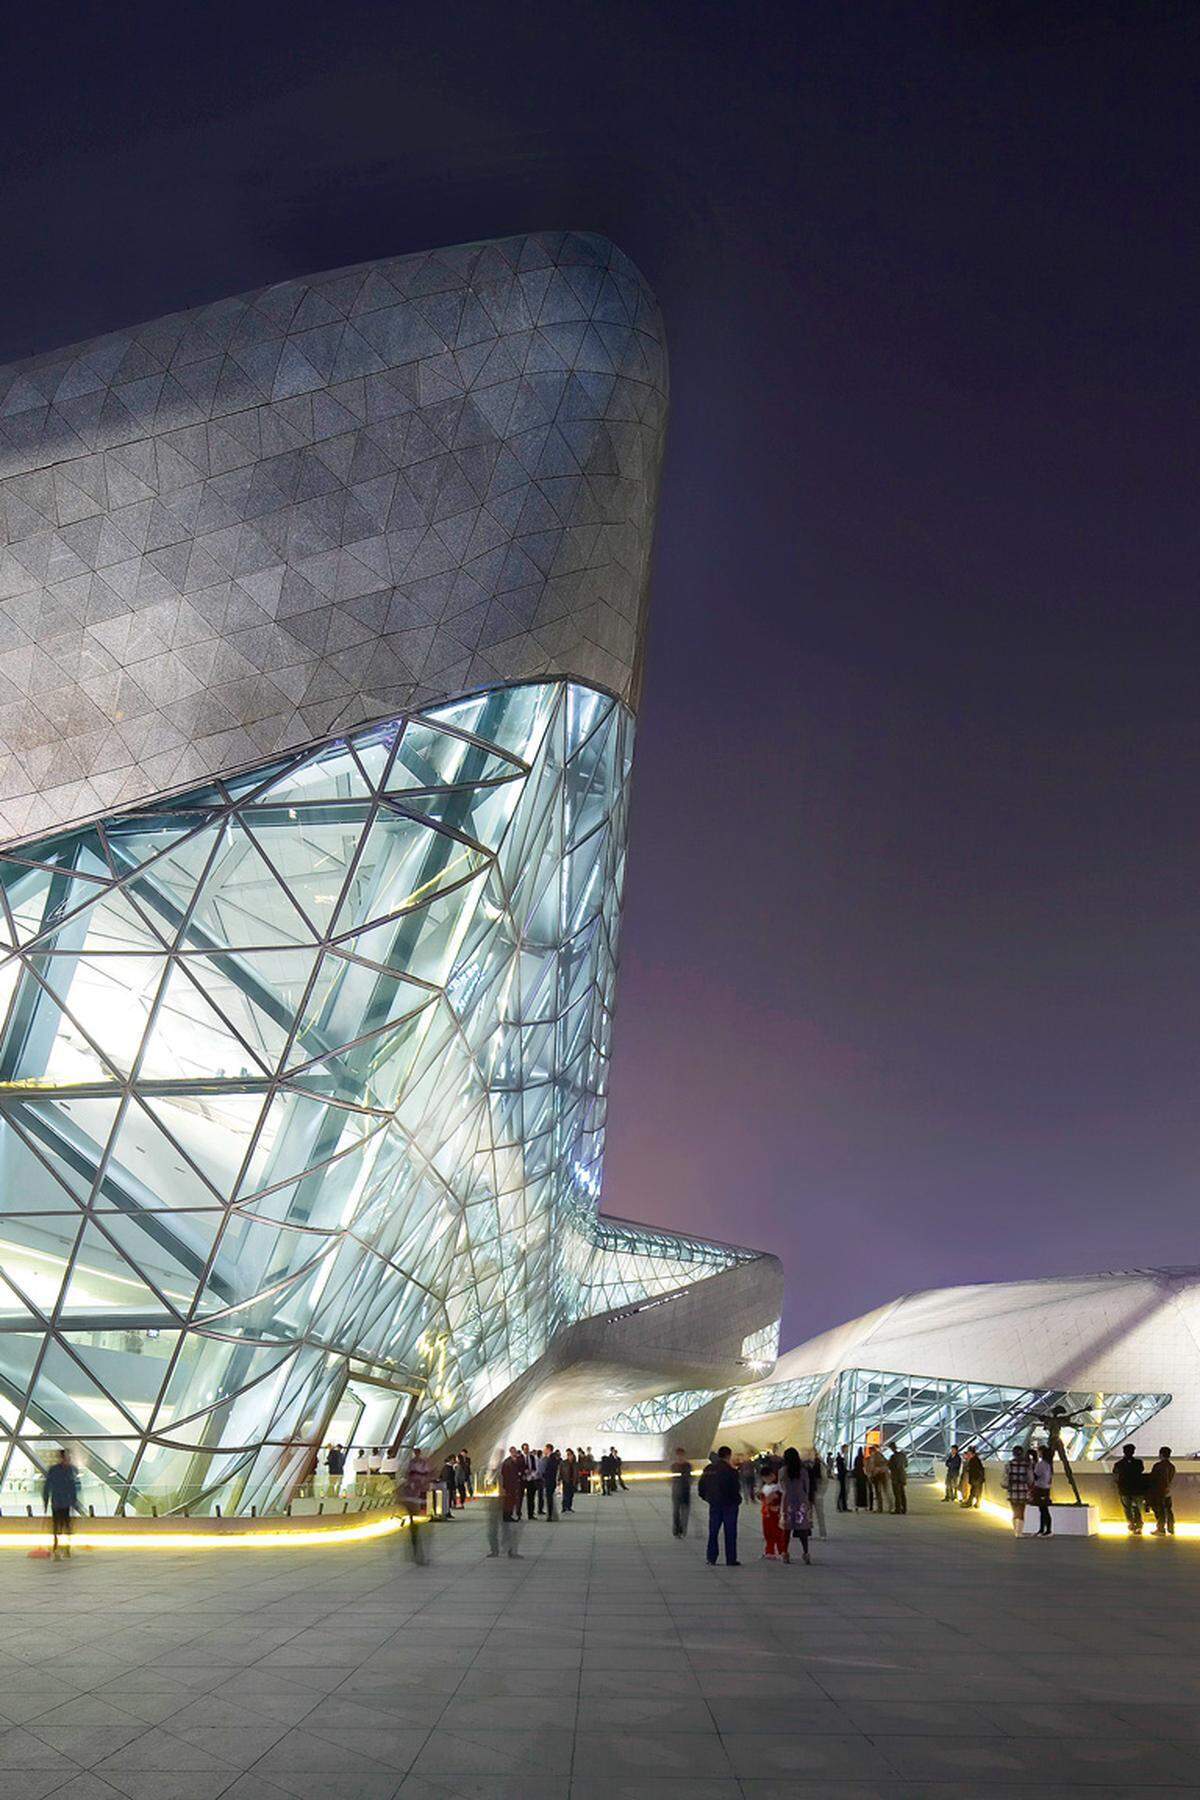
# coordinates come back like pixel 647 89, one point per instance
pixel 1069 1521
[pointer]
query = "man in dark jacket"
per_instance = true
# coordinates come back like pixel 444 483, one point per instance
pixel 1129 1473
pixel 1158 1492
pixel 60 1496
pixel 549 1464
pixel 842 1466
pixel 954 1463
pixel 721 1491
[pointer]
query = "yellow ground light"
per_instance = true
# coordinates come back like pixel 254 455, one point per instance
pixel 261 1539
pixel 1109 1528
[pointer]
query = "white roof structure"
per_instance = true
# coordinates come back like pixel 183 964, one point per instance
pixel 1125 1332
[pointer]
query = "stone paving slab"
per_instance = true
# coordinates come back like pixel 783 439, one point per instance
pixel 926 1656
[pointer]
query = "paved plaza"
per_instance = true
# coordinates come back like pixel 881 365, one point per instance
pixel 921 1656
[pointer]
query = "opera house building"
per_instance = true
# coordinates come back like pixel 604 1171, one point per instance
pixel 322 613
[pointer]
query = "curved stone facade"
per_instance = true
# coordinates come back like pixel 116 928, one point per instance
pixel 242 528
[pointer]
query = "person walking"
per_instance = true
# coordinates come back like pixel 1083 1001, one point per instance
pixel 418 1479
pixel 897 1464
pixel 842 1466
pixel 587 1469
pixel 681 1493
pixel 60 1497
pixel 877 1469
pixel 570 1477
pixel 795 1491
pixel 1129 1473
pixel 954 1463
pixel 1016 1486
pixel 815 1469
pixel 747 1474
pixel 335 1468
pixel 862 1488
pixel 975 1476
pixel 1040 1481
pixel 721 1491
pixel 618 1467
pixel 1158 1493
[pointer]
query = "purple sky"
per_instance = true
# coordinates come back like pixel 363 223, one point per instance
pixel 910 986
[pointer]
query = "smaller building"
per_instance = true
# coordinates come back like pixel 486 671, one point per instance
pixel 976 1363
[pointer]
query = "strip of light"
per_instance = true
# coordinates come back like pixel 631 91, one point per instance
pixel 1108 1528
pixel 206 1540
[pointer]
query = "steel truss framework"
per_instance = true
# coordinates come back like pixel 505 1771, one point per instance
pixel 777 1396
pixel 925 1414
pixel 305 1066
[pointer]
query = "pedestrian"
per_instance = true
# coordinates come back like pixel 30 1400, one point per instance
pixel 897 1464
pixel 749 1477
pixel 954 1463
pixel 335 1467
pixel 796 1500
pixel 816 1489
pixel 721 1491
pixel 570 1479
pixel 1158 1493
pixel 975 1477
pixel 448 1483
pixel 877 1469
pixel 60 1497
pixel 549 1464
pixel 606 1475
pixel 1016 1486
pixel 512 1492
pixel 588 1469
pixel 1129 1472
pixel 681 1493
pixel 418 1479
pixel 617 1466
pixel 862 1488
pixel 842 1466
pixel 531 1479
pixel 775 1538
pixel 1040 1482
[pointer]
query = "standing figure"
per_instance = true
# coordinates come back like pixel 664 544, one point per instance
pixel 532 1485
pixel 862 1487
pixel 815 1470
pixel 1054 1422
pixel 1016 1486
pixel 796 1500
pixel 1041 1479
pixel 877 1469
pixel 975 1477
pixel 842 1466
pixel 618 1478
pixel 681 1494
pixel 954 1463
pixel 60 1497
pixel 335 1465
pixel 775 1537
pixel 548 1466
pixel 418 1479
pixel 512 1491
pixel 721 1491
pixel 1158 1493
pixel 1129 1473
pixel 570 1477
pixel 897 1464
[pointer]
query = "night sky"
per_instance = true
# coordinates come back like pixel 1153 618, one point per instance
pixel 911 978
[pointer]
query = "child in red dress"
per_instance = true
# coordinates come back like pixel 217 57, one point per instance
pixel 775 1538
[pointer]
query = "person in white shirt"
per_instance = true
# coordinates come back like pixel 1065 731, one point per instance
pixel 1040 1479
